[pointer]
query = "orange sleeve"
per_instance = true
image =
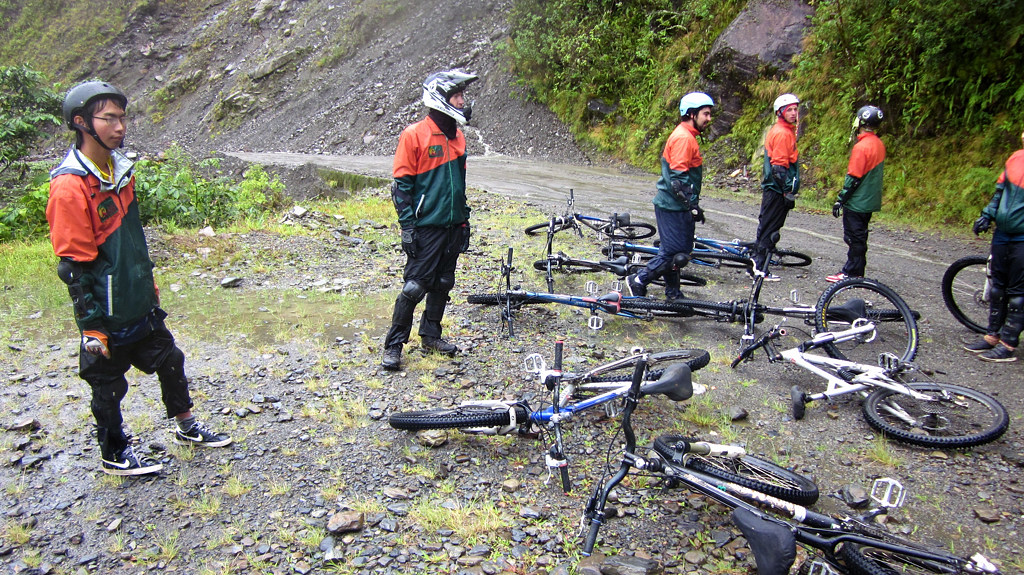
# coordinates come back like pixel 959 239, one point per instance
pixel 867 153
pixel 682 152
pixel 70 219
pixel 780 145
pixel 406 154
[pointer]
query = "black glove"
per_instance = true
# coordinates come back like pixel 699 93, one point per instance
pixel 465 238
pixel 698 214
pixel 982 224
pixel 837 209
pixel 409 241
pixel 779 175
pixel 682 193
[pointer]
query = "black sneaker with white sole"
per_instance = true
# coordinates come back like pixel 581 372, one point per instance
pixel 199 434
pixel 127 463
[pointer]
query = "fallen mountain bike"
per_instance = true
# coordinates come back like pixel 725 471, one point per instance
pixel 710 252
pixel 837 308
pixel 773 526
pixel 571 394
pixel 898 400
pixel 622 229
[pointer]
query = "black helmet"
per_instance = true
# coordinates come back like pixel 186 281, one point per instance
pixel 80 96
pixel 868 116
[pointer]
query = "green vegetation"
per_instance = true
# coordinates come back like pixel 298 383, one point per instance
pixel 26 105
pixel 951 81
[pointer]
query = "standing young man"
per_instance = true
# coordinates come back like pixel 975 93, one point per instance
pixel 862 192
pixel 97 234
pixel 429 193
pixel 676 205
pixel 780 183
pixel 1006 299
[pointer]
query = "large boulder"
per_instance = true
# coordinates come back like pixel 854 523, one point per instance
pixel 760 42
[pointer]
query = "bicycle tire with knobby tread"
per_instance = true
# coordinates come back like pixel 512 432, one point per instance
pixel 748 471
pixel 537 229
pixel 987 422
pixel 862 559
pixel 656 307
pixel 896 329
pixel 635 231
pixel 694 358
pixel 724 259
pixel 790 259
pixel 455 418
pixel 568 266
pixel 516 299
pixel 970 301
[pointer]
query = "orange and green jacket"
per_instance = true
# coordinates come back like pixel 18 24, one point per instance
pixel 430 177
pixel 95 222
pixel 780 150
pixel 1007 206
pixel 866 162
pixel 680 161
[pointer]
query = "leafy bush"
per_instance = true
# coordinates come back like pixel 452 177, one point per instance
pixel 26 218
pixel 26 106
pixel 174 190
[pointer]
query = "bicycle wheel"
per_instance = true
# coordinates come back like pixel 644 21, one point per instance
pixel 567 265
pixel 862 298
pixel 516 299
pixel 538 229
pixel 862 559
pixel 790 259
pixel 748 471
pixel 965 292
pixel 953 416
pixel 694 359
pixel 454 418
pixel 719 259
pixel 647 306
pixel 637 231
pixel 685 279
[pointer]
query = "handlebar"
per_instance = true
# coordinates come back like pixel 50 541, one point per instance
pixel 765 340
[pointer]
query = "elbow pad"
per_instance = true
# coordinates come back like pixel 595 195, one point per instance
pixel 683 192
pixel 71 272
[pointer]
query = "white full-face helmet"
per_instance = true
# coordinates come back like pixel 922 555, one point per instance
pixel 440 86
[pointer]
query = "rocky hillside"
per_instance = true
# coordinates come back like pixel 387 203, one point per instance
pixel 338 77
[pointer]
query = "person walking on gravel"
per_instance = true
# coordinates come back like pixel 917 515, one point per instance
pixel 780 182
pixel 1006 299
pixel 104 260
pixel 862 191
pixel 429 193
pixel 677 203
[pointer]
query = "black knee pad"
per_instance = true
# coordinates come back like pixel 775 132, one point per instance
pixel 413 291
pixel 1015 304
pixel 445 283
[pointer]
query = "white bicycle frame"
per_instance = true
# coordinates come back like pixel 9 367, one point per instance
pixel 866 376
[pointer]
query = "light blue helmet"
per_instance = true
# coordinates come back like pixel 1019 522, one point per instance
pixel 694 101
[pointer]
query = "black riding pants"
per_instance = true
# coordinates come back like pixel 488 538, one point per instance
pixel 155 353
pixel 433 268
pixel 774 209
pixel 1006 312
pixel 855 234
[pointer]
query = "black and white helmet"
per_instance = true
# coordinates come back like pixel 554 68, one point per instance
pixel 868 116
pixel 440 86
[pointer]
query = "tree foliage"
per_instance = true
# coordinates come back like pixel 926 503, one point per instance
pixel 27 105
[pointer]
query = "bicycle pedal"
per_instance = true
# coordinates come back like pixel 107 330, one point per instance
pixel 595 322
pixel 888 492
pixel 591 287
pixel 822 568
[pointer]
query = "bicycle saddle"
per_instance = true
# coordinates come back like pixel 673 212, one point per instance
pixel 849 311
pixel 617 266
pixel 620 220
pixel 676 383
pixel 773 544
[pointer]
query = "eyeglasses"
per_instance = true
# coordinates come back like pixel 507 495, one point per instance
pixel 111 120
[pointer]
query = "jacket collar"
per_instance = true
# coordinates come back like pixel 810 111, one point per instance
pixel 77 163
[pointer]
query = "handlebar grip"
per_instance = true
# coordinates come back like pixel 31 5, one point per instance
pixel 566 484
pixel 588 544
pixel 558 355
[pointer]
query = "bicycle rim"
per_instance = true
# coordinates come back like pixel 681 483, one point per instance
pixel 964 292
pixel 538 229
pixel 895 326
pixel 869 560
pixel 693 358
pixel 955 416
pixel 637 231
pixel 748 471
pixel 567 265
pixel 719 258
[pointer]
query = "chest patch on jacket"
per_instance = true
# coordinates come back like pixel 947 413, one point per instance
pixel 435 151
pixel 107 209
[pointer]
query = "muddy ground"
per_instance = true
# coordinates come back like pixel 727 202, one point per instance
pixel 287 363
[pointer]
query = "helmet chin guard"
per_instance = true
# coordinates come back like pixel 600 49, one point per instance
pixel 439 87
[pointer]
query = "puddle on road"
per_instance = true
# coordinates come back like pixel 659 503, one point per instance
pixel 270 318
